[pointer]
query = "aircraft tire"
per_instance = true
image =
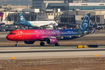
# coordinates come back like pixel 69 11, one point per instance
pixel 42 44
pixel 57 44
pixel 29 42
pixel 16 44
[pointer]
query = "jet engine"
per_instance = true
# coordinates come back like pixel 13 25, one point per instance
pixel 29 42
pixel 51 41
pixel 85 32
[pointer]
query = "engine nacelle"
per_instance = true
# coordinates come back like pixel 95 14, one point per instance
pixel 29 42
pixel 85 32
pixel 51 41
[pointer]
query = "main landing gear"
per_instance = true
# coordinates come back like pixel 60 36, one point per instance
pixel 16 43
pixel 57 44
pixel 42 43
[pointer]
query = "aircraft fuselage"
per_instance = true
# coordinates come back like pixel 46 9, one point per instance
pixel 40 34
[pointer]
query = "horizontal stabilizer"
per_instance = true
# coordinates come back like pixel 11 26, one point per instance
pixel 93 31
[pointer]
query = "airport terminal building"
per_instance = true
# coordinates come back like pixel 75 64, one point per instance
pixel 69 14
pixel 42 4
pixel 77 6
pixel 97 10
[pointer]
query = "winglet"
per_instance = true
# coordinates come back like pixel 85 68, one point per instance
pixel 93 31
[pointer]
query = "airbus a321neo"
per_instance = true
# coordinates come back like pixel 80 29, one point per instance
pixel 51 36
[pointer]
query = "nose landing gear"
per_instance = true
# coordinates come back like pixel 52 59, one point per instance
pixel 16 43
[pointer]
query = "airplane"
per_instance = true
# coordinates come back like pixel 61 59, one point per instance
pixel 1 18
pixel 51 36
pixel 24 22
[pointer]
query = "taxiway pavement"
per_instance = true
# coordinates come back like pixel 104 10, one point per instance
pixel 28 53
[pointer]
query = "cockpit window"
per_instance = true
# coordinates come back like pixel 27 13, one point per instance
pixel 13 33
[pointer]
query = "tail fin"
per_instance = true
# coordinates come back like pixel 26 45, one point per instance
pixel 84 25
pixel 1 16
pixel 22 19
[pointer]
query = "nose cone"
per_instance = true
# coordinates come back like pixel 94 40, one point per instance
pixel 9 37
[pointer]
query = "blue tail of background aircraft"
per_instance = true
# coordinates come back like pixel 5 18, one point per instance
pixel 85 23
pixel 22 19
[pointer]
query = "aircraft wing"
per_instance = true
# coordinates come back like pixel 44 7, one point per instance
pixel 70 36
pixel 61 37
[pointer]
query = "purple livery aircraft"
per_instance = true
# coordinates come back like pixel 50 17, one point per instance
pixel 51 36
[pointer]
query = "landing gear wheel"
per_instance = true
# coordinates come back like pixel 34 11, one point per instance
pixel 57 44
pixel 42 44
pixel 16 44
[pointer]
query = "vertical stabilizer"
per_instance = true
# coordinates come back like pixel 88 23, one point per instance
pixel 22 19
pixel 85 23
pixel 1 16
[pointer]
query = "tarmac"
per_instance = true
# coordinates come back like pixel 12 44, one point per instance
pixel 51 53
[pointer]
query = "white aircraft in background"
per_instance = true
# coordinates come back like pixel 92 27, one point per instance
pixel 24 22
